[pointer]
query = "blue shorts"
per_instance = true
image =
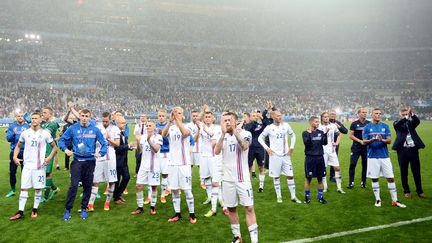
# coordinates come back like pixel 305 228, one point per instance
pixel 315 166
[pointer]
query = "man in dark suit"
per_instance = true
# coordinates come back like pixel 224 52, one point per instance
pixel 123 175
pixel 407 144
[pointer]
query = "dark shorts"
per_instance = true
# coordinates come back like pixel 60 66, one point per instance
pixel 258 154
pixel 315 166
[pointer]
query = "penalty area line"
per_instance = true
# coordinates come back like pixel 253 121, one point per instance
pixel 362 230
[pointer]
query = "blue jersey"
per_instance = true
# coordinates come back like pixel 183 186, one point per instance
pixel 165 143
pixel 376 149
pixel 83 141
pixel 13 137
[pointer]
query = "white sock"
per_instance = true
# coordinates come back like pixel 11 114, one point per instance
pixel 140 199
pixel 93 194
pixel 324 181
pixel 164 184
pixel 261 181
pixel 208 185
pixel 37 198
pixel 110 192
pixel 376 190
pixel 153 198
pixel 253 231
pixel 214 198
pixel 190 201
pixel 235 229
pixel 22 200
pixel 276 182
pixel 176 201
pixel 392 189
pixel 291 187
pixel 338 178
pixel 149 191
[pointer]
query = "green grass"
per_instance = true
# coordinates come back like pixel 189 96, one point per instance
pixel 277 222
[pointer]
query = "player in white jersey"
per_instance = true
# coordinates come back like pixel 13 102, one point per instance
pixel 280 154
pixel 149 172
pixel 180 171
pixel 234 145
pixel 196 149
pixel 33 173
pixel 211 164
pixel 330 155
pixel 106 167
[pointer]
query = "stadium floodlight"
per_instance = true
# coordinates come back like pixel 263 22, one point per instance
pixel 26 36
pixel 32 36
pixel 38 37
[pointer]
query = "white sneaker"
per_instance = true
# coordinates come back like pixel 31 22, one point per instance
pixel 296 200
pixel 398 204
pixel 279 200
pixel 341 191
pixel 378 203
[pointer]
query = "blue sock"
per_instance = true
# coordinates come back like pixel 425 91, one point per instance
pixel 307 195
pixel 320 194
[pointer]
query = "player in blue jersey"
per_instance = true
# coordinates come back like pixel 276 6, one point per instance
pixel 164 154
pixel 377 135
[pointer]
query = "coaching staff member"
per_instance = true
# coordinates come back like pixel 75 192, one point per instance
pixel 407 144
pixel 83 136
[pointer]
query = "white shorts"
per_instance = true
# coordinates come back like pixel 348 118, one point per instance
pixel 180 177
pixel 205 166
pixel 331 158
pixel 379 167
pixel 216 169
pixel 280 165
pixel 163 163
pixel 148 178
pixel 233 191
pixel 33 178
pixel 196 159
pixel 105 171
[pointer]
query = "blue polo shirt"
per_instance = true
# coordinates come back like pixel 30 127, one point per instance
pixel 377 149
pixel 165 143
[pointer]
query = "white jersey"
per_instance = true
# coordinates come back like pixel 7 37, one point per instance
pixel 114 133
pixel 179 146
pixel 329 148
pixel 278 138
pixel 216 136
pixel 148 158
pixel 194 129
pixel 206 141
pixel 35 147
pixel 235 159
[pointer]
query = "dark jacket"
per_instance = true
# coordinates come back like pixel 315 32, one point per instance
pixel 122 150
pixel 402 126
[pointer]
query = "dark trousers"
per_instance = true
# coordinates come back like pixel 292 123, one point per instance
pixel 407 156
pixel 353 163
pixel 67 160
pixel 80 171
pixel 13 169
pixel 138 156
pixel 123 178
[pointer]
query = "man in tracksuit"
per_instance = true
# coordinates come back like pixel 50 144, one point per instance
pixel 12 136
pixel 84 137
pixel 314 139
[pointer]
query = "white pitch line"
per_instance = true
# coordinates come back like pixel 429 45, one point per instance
pixel 362 230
